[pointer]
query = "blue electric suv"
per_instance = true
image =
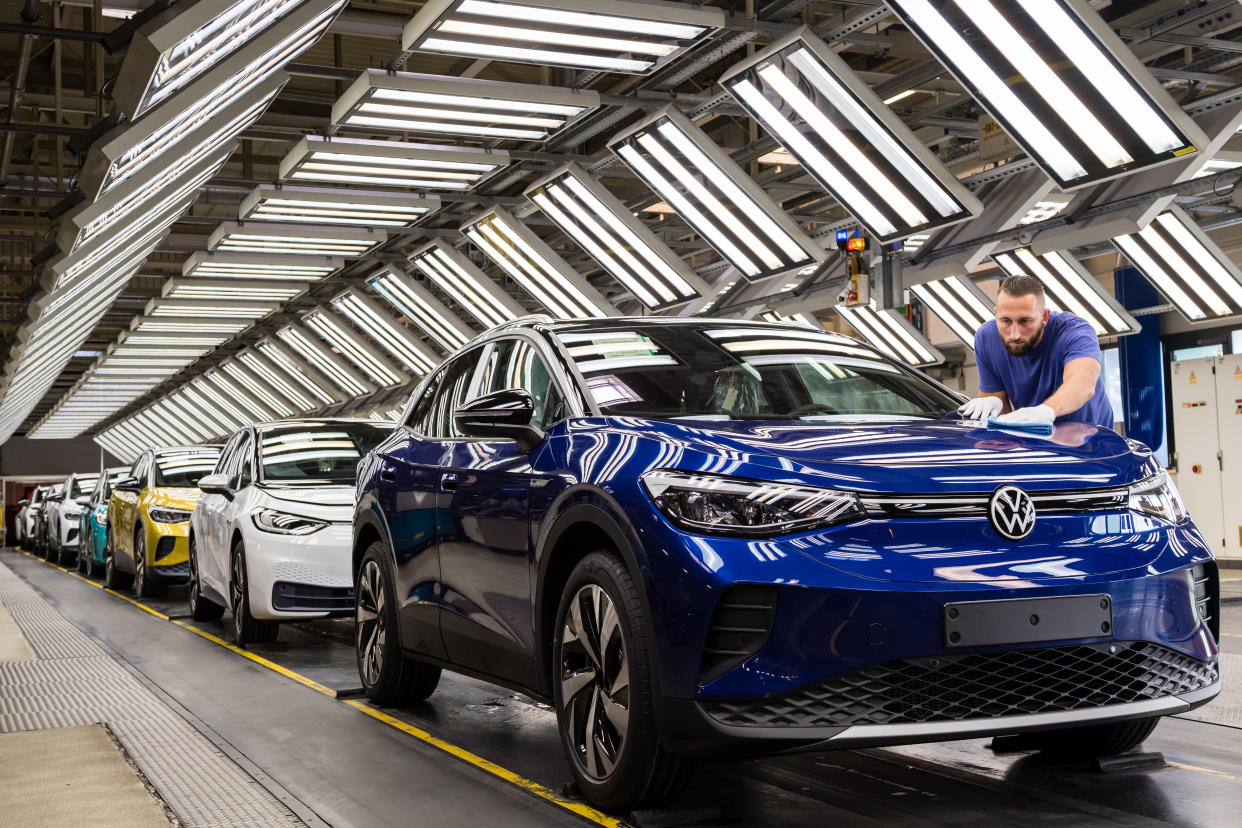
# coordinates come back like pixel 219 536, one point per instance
pixel 704 538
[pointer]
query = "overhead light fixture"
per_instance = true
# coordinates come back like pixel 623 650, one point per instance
pixel 275 403
pixel 169 52
pixel 621 244
pixel 256 290
pixel 298 370
pixel 367 316
pixel 416 303
pixel 1068 286
pixel 328 206
pixel 220 309
pixel 1186 266
pixel 1083 106
pixel 310 240
pixel 900 96
pixel 218 386
pixel 778 157
pixel 407 102
pixel 206 415
pixel 529 261
pixel 392 164
pixel 262 266
pixel 803 319
pixel 325 361
pixel 710 192
pixel 375 366
pixel 847 139
pixel 163 325
pixel 1045 209
pixel 273 378
pixel 890 333
pixel 457 276
pixel 195 394
pixel 605 35
pixel 959 303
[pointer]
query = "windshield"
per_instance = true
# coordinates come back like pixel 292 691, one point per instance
pixel 56 490
pixel 37 497
pixel 83 486
pixel 747 372
pixel 184 469
pixel 321 452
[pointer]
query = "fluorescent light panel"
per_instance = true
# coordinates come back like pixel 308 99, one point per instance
pixel 310 240
pixel 1186 266
pixel 165 325
pixel 323 359
pixel 393 338
pixel 262 266
pixel 328 206
pixel 271 377
pixel 802 319
pixel 274 402
pixel 1069 287
pixel 516 250
pixel 251 289
pixel 615 36
pixel 393 164
pixel 296 370
pixel 352 347
pixel 1059 81
pixel 844 136
pixel 416 303
pixel 891 333
pixel 623 246
pixel 435 104
pixel 474 290
pixel 208 309
pixel 710 192
pixel 217 386
pixel 959 303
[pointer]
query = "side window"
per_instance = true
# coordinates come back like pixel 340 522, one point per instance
pixel 238 462
pixel 226 456
pixel 514 363
pixel 140 471
pixel 420 414
pixel 453 387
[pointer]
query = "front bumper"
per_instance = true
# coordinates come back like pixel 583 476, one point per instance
pixel 300 576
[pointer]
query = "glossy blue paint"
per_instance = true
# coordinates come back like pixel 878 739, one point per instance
pixel 849 596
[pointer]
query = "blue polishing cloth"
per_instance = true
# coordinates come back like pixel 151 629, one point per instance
pixel 1040 429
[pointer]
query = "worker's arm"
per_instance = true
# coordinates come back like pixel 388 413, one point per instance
pixel 1077 386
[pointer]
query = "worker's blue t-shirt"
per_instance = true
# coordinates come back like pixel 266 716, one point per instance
pixel 1033 377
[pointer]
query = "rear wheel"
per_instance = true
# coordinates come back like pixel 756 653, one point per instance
pixel 1095 740
pixel 388 676
pixel 246 628
pixel 602 689
pixel 145 586
pixel 201 607
pixel 114 578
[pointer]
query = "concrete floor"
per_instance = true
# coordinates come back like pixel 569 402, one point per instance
pixel 351 769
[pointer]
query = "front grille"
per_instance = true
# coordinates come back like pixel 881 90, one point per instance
pixel 311 598
pixel 979 686
pixel 164 547
pixel 738 628
pixel 976 505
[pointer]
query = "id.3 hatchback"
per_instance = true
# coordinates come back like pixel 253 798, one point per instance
pixel 93 521
pixel 711 538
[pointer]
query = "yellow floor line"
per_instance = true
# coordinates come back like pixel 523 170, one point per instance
pixel 530 786
pixel 1221 774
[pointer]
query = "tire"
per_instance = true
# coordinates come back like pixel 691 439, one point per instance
pixel 202 608
pixel 602 691
pixel 389 678
pixel 246 628
pixel 66 558
pixel 114 578
pixel 145 586
pixel 1095 740
pixel 83 564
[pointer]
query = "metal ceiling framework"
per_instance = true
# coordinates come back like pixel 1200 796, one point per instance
pixel 340 134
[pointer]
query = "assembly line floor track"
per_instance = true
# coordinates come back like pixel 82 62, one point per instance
pixel 349 769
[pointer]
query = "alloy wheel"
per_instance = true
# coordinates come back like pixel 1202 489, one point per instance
pixel 194 590
pixel 140 564
pixel 237 594
pixel 595 681
pixel 369 622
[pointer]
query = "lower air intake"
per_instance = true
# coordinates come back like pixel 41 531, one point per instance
pixel 980 685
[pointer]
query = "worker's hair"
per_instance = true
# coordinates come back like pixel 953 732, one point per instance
pixel 1023 285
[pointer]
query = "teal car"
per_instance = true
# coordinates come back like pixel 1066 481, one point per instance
pixel 92 525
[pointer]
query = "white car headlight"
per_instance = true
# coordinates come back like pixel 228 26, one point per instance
pixel 1157 496
pixel 283 523
pixel 71 515
pixel 753 508
pixel 163 514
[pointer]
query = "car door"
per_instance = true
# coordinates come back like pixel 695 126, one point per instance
pixel 122 519
pixel 410 497
pixel 484 544
pixel 212 563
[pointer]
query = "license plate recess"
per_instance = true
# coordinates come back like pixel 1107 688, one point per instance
pixel 1027 620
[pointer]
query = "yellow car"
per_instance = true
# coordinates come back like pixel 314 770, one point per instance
pixel 149 518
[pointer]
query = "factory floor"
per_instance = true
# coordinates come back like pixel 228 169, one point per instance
pixel 278 735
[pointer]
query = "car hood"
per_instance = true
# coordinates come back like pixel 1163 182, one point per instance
pixel 173 497
pixel 913 456
pixel 322 495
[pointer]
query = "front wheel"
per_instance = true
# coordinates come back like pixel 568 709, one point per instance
pixel 388 676
pixel 602 689
pixel 246 628
pixel 145 586
pixel 114 578
pixel 1095 740
pixel 202 608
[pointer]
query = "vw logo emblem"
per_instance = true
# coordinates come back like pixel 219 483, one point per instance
pixel 1011 513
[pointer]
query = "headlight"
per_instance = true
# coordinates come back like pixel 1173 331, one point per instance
pixel 1158 496
pixel 283 523
pixel 72 515
pixel 162 514
pixel 754 508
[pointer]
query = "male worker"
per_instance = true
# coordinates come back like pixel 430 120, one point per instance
pixel 1037 365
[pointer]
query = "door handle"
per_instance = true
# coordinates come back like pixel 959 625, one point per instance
pixel 448 482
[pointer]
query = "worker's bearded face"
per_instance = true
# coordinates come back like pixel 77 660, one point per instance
pixel 1020 321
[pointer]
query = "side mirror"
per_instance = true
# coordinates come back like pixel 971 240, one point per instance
pixel 84 500
pixel 504 414
pixel 127 484
pixel 23 502
pixel 216 484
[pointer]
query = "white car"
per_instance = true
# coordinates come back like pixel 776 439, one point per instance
pixel 270 538
pixel 29 518
pixel 62 515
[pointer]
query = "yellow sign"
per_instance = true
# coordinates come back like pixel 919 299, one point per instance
pixel 1193 381
pixel 1237 373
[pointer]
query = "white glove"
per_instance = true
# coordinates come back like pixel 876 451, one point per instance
pixel 1034 414
pixel 980 408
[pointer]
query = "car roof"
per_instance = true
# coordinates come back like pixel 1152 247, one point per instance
pixel 316 421
pixel 203 449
